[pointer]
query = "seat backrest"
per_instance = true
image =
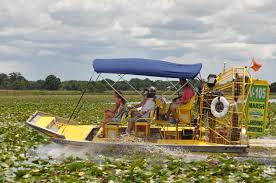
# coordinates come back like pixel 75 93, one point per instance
pixel 188 106
pixel 152 114
pixel 160 103
pixel 184 111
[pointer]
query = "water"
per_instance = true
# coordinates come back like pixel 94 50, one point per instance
pixel 59 152
pixel 272 100
pixel 268 141
pixel 262 150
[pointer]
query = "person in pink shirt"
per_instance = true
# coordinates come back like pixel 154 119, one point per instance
pixel 186 96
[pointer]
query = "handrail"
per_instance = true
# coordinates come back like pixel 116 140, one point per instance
pixel 219 135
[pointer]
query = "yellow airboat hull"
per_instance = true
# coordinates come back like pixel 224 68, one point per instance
pixel 57 127
pixel 61 132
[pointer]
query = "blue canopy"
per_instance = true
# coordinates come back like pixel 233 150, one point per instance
pixel 147 67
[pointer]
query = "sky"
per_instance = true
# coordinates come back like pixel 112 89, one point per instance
pixel 62 37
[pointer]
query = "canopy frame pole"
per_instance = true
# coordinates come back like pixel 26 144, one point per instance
pixel 179 88
pixel 121 77
pixel 83 102
pixel 199 94
pixel 132 87
pixel 174 85
pixel 193 88
pixel 83 92
pixel 200 78
pixel 100 75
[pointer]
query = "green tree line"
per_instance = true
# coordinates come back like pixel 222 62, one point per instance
pixel 16 81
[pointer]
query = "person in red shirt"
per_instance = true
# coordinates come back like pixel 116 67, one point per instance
pixel 186 96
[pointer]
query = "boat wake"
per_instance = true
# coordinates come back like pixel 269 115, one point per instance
pixel 59 152
pixel 97 152
pixel 272 100
pixel 262 150
pixel 263 147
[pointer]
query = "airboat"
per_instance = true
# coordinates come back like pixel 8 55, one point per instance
pixel 225 111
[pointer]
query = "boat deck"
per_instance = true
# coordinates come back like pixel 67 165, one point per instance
pixel 87 135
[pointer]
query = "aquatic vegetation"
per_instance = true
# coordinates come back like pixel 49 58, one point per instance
pixel 17 165
pixel 271 125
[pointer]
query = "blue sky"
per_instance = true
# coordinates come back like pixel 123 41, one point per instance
pixel 43 37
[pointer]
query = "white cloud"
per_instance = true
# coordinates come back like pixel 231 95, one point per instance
pixel 9 66
pixel 139 31
pixel 256 3
pixel 42 33
pixel 152 42
pixel 9 50
pixel 46 53
pixel 117 26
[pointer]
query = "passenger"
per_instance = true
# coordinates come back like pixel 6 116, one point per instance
pixel 184 99
pixel 115 114
pixel 136 108
pixel 147 106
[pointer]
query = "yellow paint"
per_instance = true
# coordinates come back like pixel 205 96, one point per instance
pixel 236 79
pixel 44 121
pixel 173 128
pixel 97 139
pixel 184 113
pixel 145 125
pixel 75 132
pixel 161 122
pixel 112 131
pixel 185 142
pixel 188 106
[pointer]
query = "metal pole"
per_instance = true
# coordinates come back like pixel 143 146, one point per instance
pixel 168 90
pixel 172 83
pixel 179 88
pixel 82 103
pixel 132 87
pixel 80 98
pixel 113 88
pixel 121 76
pixel 224 66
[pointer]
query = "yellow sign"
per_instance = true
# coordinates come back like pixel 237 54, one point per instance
pixel 256 109
pixel 255 118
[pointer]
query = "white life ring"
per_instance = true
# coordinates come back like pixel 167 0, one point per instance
pixel 225 107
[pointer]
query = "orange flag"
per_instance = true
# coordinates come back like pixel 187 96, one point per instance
pixel 255 65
